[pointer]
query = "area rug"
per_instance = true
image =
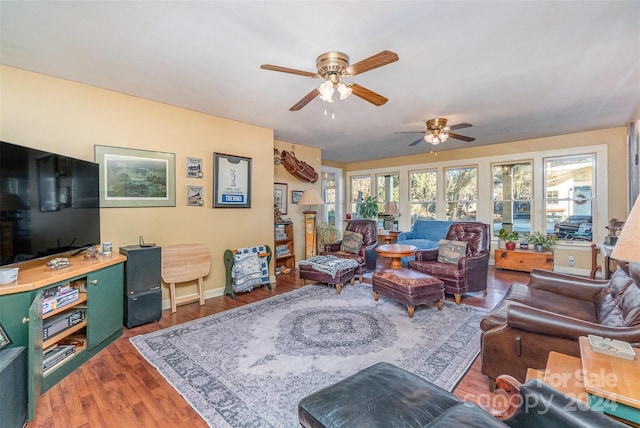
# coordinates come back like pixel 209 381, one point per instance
pixel 251 365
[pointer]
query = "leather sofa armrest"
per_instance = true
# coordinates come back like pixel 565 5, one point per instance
pixel 566 285
pixel 332 246
pixel 427 255
pixel 550 324
pixel 465 261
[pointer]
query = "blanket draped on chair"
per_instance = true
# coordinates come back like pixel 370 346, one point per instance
pixel 330 265
pixel 250 268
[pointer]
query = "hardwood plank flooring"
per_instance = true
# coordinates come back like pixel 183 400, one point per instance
pixel 119 388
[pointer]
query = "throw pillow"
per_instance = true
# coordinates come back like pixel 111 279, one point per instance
pixel 351 242
pixel 451 251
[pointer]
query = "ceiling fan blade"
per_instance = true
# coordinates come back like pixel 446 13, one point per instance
pixel 378 60
pixel 306 100
pixel 461 137
pixel 287 70
pixel 411 132
pixel 460 126
pixel 418 141
pixel 368 95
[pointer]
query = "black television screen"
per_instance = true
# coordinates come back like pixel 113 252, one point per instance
pixel 49 203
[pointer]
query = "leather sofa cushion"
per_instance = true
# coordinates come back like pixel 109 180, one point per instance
pixel 630 306
pixel 609 313
pixel 539 299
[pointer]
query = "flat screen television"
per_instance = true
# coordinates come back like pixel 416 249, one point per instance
pixel 49 204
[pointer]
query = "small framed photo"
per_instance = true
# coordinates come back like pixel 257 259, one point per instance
pixel 195 196
pixel 295 196
pixel 280 197
pixel 194 168
pixel 4 338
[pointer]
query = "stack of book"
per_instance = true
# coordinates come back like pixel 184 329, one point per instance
pixel 280 233
pixel 282 250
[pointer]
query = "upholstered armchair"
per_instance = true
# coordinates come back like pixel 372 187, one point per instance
pixel 368 229
pixel 468 272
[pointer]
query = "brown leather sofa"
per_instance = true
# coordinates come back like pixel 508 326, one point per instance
pixel 470 273
pixel 369 231
pixel 551 312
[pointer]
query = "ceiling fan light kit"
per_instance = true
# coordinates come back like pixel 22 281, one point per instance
pixel 332 67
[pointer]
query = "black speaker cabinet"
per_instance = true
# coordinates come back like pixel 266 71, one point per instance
pixel 142 307
pixel 142 269
pixel 142 285
pixel 13 387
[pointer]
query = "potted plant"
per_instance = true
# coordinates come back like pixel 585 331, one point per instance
pixel 509 237
pixel 541 242
pixel 615 225
pixel 369 208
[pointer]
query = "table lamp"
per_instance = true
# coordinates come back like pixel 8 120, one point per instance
pixel 310 197
pixel 628 245
pixel 390 212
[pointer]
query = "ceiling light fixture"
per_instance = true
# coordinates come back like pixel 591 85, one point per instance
pixel 437 131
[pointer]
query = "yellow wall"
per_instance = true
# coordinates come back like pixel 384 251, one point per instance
pixel 69 118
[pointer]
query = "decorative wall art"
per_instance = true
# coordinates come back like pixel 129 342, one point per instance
pixel 194 168
pixel 231 182
pixel 195 196
pixel 295 196
pixel 280 197
pixel 136 178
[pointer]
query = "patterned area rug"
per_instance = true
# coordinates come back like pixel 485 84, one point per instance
pixel 250 366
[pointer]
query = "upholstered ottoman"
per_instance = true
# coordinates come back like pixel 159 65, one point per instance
pixel 408 286
pixel 328 270
pixel 384 395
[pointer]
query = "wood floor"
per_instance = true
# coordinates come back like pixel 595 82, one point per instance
pixel 118 388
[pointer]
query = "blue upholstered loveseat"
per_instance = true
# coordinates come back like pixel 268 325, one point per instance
pixel 425 234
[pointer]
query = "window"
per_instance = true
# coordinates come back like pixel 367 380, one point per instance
pixel 461 193
pixel 512 192
pixel 360 185
pixel 387 189
pixel 569 196
pixel 329 196
pixel 423 195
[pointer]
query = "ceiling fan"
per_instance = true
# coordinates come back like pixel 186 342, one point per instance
pixel 332 67
pixel 438 132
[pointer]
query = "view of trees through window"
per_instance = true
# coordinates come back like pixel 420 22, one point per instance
pixel 387 189
pixel 329 196
pixel 512 193
pixel 461 193
pixel 424 195
pixel 359 184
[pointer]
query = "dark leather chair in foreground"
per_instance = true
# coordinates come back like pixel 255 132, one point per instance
pixel 470 271
pixel 369 231
pixel 387 396
pixel 551 312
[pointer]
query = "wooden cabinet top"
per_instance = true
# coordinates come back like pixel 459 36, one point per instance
pixel 35 274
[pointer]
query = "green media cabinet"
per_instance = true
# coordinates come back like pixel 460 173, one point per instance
pixel 100 284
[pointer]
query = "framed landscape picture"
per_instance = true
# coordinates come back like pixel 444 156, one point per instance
pixel 136 178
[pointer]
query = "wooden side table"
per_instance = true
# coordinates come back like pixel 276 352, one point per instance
pixel 612 384
pixel 388 237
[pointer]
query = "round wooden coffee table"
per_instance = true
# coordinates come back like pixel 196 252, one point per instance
pixel 396 252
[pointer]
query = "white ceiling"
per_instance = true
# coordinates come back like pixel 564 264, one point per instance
pixel 515 70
